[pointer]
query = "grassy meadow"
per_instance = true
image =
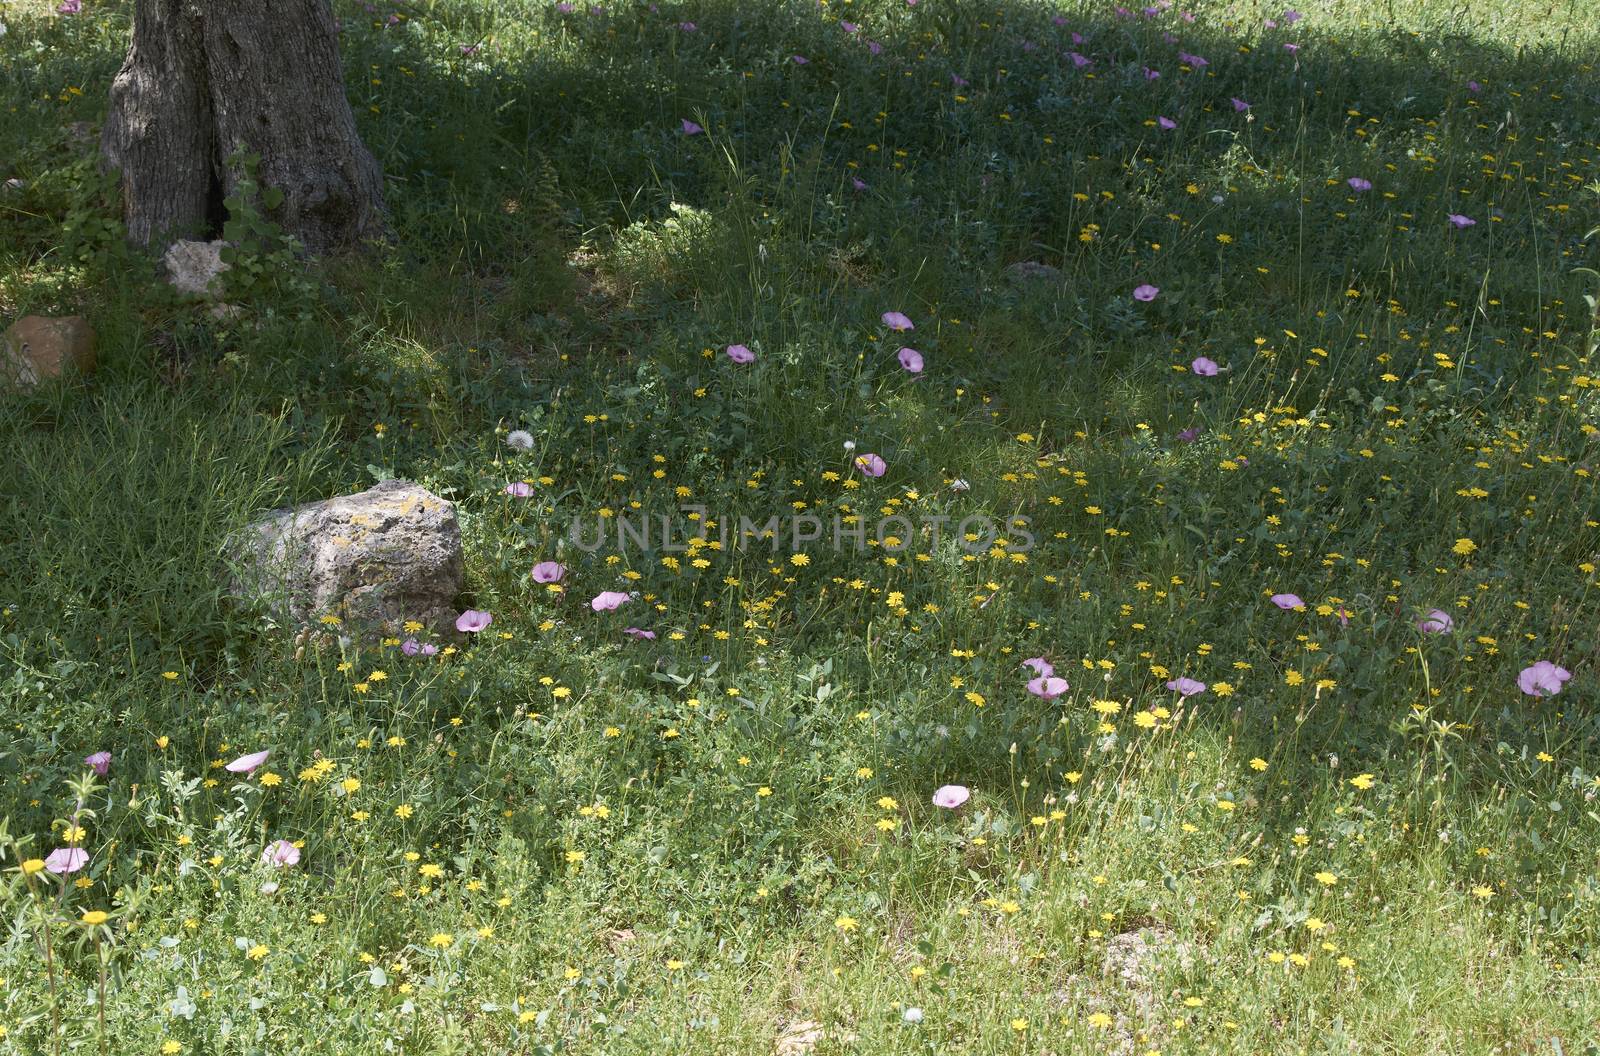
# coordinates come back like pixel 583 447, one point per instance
pixel 1307 415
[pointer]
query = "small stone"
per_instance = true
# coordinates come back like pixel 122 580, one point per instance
pixel 799 1038
pixel 372 560
pixel 15 184
pixel 1134 958
pixel 40 347
pixel 1031 270
pixel 195 269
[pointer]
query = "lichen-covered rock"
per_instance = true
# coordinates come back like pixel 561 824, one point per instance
pixel 799 1038
pixel 1032 271
pixel 1135 958
pixel 374 559
pixel 39 347
pixel 195 268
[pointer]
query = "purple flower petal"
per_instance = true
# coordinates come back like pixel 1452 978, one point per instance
pixel 1436 622
pixel 1048 687
pixel 246 764
pixel 280 854
pixel 609 601
pixel 1543 679
pixel 65 860
pixel 870 464
pixel 473 620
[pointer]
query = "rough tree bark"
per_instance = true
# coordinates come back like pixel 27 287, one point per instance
pixel 204 78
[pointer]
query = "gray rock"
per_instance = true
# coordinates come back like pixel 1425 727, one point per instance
pixel 1134 958
pixel 39 347
pixel 799 1038
pixel 374 559
pixel 1032 271
pixel 195 268
pixel 14 184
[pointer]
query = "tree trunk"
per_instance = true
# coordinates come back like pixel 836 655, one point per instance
pixel 204 78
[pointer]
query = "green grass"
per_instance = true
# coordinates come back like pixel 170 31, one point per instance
pixel 553 837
